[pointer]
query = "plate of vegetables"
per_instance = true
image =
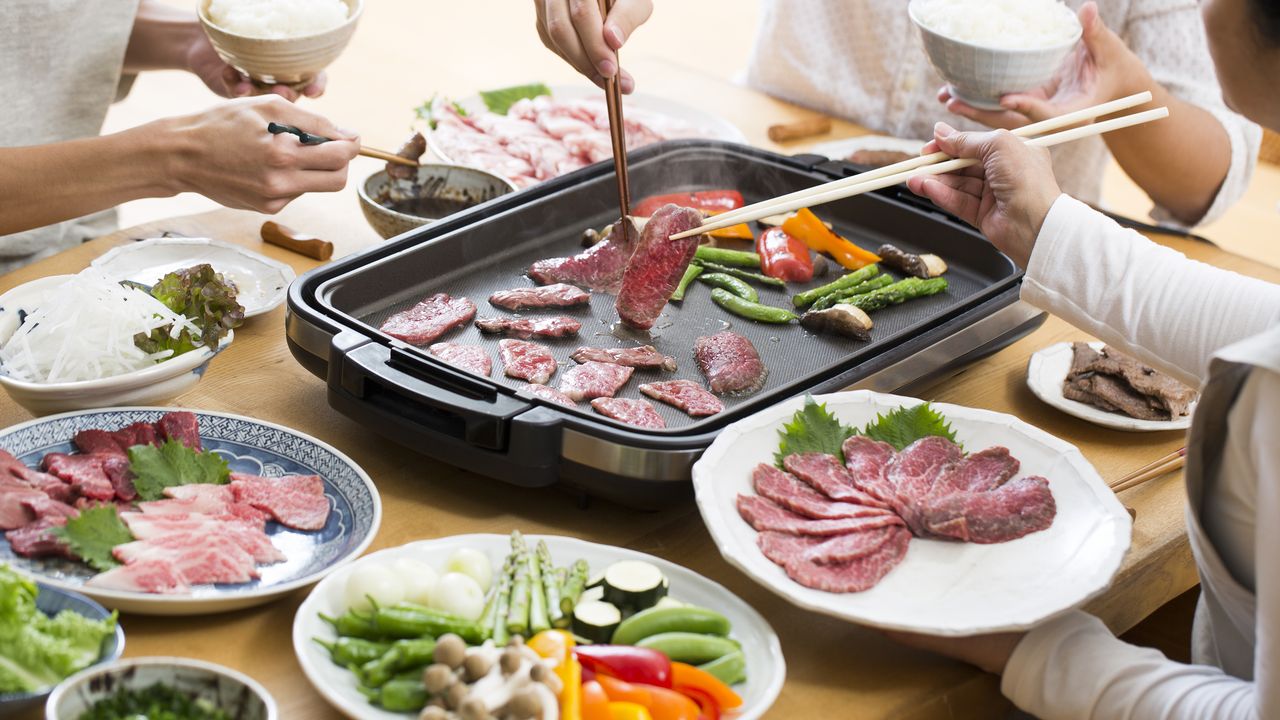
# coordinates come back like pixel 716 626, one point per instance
pixel 533 627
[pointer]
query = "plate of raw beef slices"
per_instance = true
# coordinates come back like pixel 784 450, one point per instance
pixel 291 510
pixel 998 531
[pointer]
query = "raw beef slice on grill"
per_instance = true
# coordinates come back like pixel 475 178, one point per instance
pixel 548 393
pixel 645 357
pixel 558 295
pixel 427 321
pixel 655 269
pixel 861 573
pixel 730 363
pixel 763 514
pixel 594 380
pixel 599 267
pixel 296 501
pixel 633 412
pixel 525 328
pixel 789 492
pixel 528 361
pixel 686 395
pixel 825 474
pixel 472 358
pixel 1010 511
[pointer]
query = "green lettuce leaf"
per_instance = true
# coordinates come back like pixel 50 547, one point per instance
pixel 204 296
pixel 501 100
pixel 172 464
pixel 37 651
pixel 812 429
pixel 93 534
pixel 906 425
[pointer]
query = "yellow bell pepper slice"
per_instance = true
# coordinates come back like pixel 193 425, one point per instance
pixel 628 711
pixel 558 645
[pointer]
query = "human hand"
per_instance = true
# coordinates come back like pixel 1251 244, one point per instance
pixel 205 63
pixel 1006 195
pixel 227 155
pixel 575 30
pixel 1101 68
pixel 988 652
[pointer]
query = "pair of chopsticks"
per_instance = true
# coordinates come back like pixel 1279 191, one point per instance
pixel 307 138
pixel 617 128
pixel 938 163
pixel 1165 465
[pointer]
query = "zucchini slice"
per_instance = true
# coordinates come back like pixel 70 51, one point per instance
pixel 634 584
pixel 595 621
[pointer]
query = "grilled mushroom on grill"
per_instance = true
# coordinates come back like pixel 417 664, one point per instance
pixel 921 266
pixel 840 319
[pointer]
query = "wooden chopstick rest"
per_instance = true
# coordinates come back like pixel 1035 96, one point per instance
pixel 279 235
pixel 800 129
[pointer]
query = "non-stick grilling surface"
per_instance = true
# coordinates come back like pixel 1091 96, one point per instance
pixel 492 255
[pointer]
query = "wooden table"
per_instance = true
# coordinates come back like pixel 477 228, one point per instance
pixel 831 664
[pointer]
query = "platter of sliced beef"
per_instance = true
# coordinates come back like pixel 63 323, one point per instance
pixel 284 510
pixel 994 530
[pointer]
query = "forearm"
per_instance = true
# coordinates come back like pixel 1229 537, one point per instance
pixel 161 38
pixel 46 184
pixel 1180 161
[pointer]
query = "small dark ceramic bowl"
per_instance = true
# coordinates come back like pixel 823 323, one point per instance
pixel 456 183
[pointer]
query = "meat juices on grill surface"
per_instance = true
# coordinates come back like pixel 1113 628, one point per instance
pixel 430 319
pixel 825 474
pixel 471 358
pixel 528 361
pixel 599 267
pixel 633 412
pixel 856 575
pixel 730 363
pixel 789 492
pixel 546 392
pixel 645 357
pixel 525 328
pixel 559 295
pixel 1007 513
pixel 686 395
pixel 594 380
pixel 656 266
pixel 1118 383
pixel 763 514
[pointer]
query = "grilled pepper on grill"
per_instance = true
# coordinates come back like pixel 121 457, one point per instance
pixel 809 229
pixel 751 310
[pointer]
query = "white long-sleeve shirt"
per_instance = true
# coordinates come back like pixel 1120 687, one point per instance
pixel 1177 315
pixel 863 60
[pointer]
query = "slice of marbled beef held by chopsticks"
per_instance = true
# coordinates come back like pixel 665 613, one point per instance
pixel 656 266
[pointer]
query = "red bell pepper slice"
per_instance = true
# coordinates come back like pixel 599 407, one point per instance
pixel 784 257
pixel 632 664
pixel 710 201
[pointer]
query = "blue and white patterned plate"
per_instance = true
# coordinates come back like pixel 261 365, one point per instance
pixel 251 446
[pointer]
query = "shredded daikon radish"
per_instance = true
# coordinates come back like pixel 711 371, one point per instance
pixel 84 331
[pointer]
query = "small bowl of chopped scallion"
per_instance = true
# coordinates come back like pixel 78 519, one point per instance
pixel 160 688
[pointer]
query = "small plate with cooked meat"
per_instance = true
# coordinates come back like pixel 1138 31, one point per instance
pixel 1096 383
pixel 870 150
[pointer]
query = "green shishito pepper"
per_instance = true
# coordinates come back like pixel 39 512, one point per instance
pixel 730 283
pixel 353 650
pixel 751 310
pixel 408 620
pixel 402 655
pixel 724 256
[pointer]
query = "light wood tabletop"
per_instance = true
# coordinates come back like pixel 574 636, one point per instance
pixel 831 664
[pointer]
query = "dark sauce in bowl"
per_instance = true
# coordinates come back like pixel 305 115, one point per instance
pixel 428 207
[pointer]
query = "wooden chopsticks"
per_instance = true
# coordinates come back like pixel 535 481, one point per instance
pixel 617 127
pixel 307 138
pixel 1165 465
pixel 938 163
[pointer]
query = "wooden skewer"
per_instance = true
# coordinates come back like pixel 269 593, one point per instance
pixel 900 170
pixel 617 127
pixel 1165 465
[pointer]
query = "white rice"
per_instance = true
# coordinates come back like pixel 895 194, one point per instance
pixel 275 19
pixel 83 330
pixel 1002 24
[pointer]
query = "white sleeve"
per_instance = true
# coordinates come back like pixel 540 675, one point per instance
pixel 1073 668
pixel 1169 37
pixel 1147 300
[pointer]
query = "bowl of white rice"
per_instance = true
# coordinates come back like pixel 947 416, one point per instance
pixel 286 42
pixel 66 343
pixel 987 48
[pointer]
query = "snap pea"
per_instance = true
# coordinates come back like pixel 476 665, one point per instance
pixel 875 283
pixel 398 695
pixel 353 650
pixel 750 310
pixel 407 620
pixel 740 273
pixel 690 273
pixel 402 655
pixel 658 620
pixel 857 277
pixel 736 258
pixel 730 669
pixel 692 648
pixel 354 624
pixel 730 283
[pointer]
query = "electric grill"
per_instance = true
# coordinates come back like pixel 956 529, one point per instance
pixel 483 425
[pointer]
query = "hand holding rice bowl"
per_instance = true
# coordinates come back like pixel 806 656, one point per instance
pixel 280 41
pixel 987 48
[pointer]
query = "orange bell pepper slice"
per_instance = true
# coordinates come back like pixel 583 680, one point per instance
pixel 667 704
pixel 684 675
pixel 741 231
pixel 806 226
pixel 595 703
pixel 628 711
pixel 619 691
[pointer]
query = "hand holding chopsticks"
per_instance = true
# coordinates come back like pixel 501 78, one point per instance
pixel 307 138
pixel 939 163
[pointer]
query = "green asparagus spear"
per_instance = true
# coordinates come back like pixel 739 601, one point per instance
pixel 573 586
pixel 491 603
pixel 857 277
pixel 550 585
pixel 498 625
pixel 564 619
pixel 518 612
pixel 901 291
pixel 537 595
pixel 835 298
pixel 690 273
pixel 740 273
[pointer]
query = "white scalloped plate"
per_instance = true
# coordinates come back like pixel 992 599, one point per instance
pixel 940 588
